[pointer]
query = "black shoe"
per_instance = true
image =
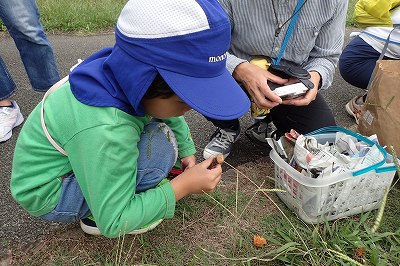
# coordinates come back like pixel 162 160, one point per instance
pixel 260 131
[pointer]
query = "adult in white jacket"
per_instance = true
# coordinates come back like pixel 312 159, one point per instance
pixel 357 62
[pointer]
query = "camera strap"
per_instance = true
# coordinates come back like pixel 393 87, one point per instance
pixel 289 31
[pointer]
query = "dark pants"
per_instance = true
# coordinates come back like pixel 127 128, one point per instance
pixel 303 119
pixel 357 62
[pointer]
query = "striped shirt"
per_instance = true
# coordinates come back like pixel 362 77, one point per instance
pixel 316 41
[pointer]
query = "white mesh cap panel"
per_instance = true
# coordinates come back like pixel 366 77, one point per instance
pixel 161 18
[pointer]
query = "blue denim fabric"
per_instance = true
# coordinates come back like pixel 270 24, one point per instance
pixel 157 155
pixel 158 152
pixel 22 21
pixel 7 85
pixel 72 205
pixel 357 62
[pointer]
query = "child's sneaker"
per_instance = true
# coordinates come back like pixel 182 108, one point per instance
pixel 10 117
pixel 354 107
pixel 89 226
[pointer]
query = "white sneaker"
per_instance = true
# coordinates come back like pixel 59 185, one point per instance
pixel 10 117
pixel 88 225
pixel 355 106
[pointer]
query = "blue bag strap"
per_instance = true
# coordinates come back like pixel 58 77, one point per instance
pixel 289 32
pixel 334 129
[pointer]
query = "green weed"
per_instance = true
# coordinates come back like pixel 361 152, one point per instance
pixel 93 16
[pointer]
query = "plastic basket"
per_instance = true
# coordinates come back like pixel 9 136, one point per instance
pixel 316 200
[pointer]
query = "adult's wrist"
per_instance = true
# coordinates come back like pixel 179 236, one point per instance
pixel 239 70
pixel 316 78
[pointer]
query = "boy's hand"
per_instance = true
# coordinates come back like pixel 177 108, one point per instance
pixel 197 179
pixel 188 162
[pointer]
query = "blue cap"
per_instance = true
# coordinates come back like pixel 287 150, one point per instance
pixel 186 42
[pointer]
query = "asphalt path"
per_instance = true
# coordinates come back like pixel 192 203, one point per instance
pixel 16 226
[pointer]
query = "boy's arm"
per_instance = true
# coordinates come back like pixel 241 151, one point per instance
pixel 182 134
pixel 104 160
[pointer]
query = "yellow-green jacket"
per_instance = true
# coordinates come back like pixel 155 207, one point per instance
pixel 374 12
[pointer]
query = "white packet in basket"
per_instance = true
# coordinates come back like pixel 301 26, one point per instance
pixel 346 143
pixel 373 156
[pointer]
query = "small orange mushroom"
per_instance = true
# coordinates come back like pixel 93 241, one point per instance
pixel 219 159
pixel 359 252
pixel 259 241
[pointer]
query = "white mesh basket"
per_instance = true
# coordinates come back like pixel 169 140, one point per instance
pixel 316 200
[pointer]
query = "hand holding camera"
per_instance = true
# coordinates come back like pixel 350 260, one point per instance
pixel 259 82
pixel 291 91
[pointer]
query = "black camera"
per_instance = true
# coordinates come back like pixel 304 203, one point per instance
pixel 293 90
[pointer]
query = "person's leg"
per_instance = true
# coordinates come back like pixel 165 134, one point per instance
pixel 231 124
pixel 357 62
pixel 10 114
pixel 7 85
pixel 72 205
pixel 221 141
pixel 158 152
pixel 226 134
pixel 356 65
pixel 303 119
pixel 22 20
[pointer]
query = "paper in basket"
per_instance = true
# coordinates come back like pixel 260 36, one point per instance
pixel 343 194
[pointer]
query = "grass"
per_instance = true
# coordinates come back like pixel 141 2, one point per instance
pixel 349 19
pixel 93 16
pixel 88 16
pixel 84 16
pixel 218 229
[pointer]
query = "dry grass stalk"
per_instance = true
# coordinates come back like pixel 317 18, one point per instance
pixel 380 213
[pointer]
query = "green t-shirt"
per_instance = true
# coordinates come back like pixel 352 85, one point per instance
pixel 101 143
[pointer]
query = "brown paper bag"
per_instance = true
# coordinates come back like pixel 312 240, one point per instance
pixel 381 112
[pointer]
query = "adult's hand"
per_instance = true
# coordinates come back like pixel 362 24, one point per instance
pixel 310 95
pixel 254 80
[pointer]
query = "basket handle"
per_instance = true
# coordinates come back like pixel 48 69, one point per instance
pixel 334 129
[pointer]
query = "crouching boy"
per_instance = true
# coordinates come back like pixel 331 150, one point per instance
pixel 98 147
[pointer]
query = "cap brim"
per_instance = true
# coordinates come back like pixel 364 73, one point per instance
pixel 218 97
